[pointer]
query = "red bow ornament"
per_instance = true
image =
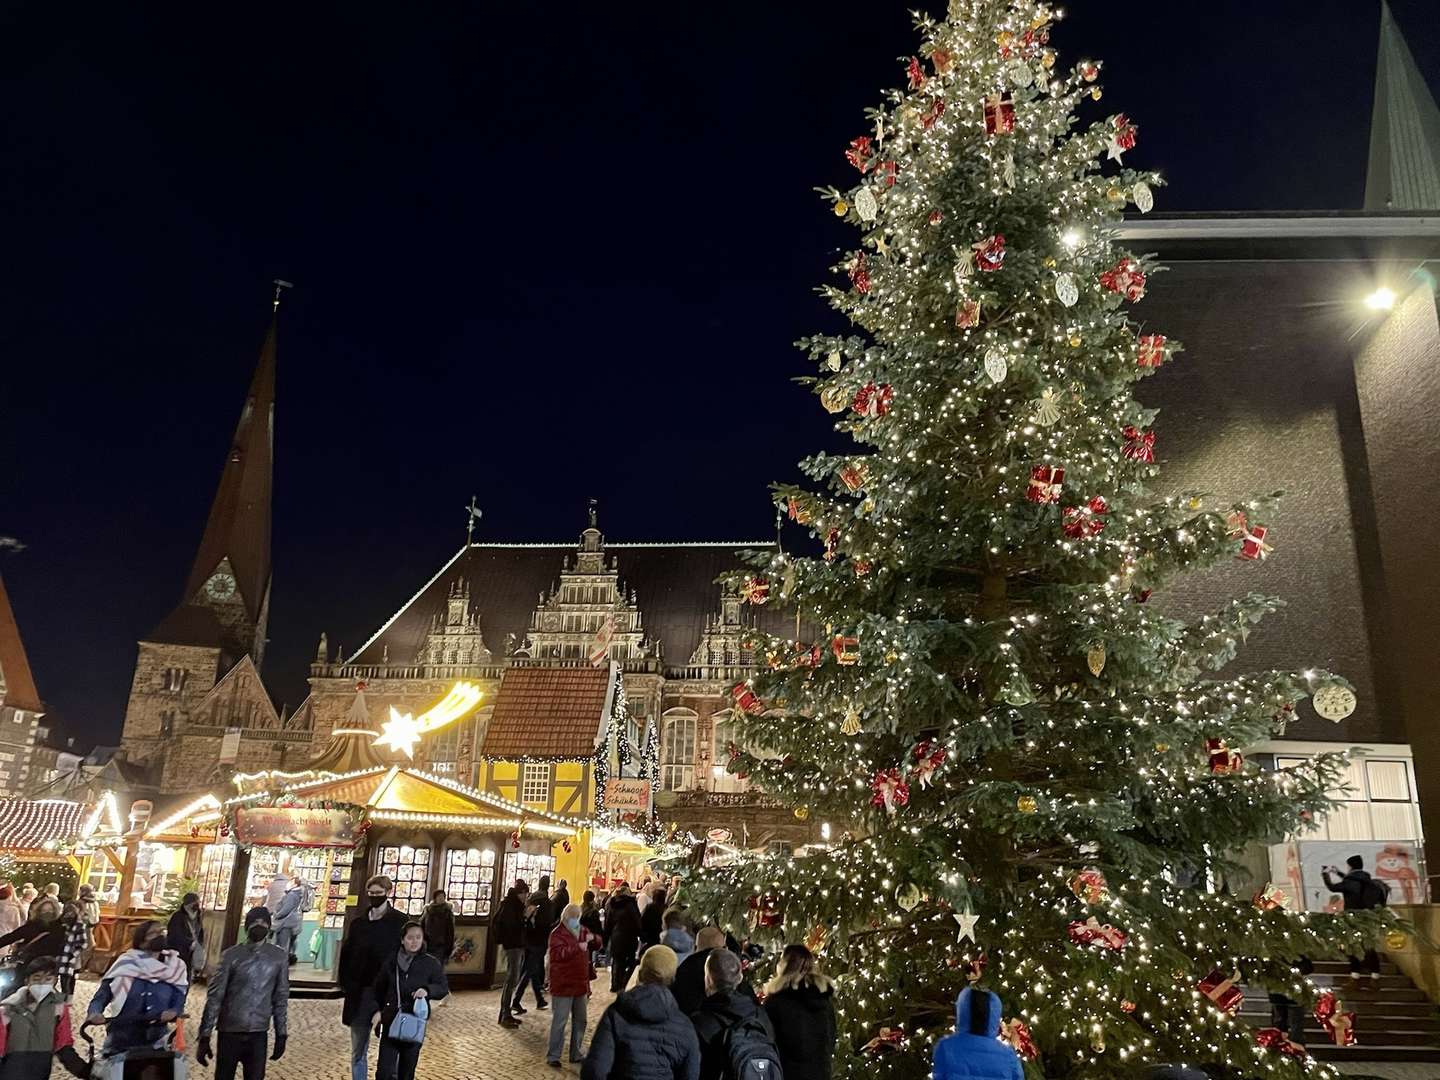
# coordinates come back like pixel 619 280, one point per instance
pixel 1339 1025
pixel 860 152
pixel 746 699
pixel 1275 1039
pixel 1139 445
pixel 928 758
pixel 1222 990
pixel 832 544
pixel 989 253
pixel 1223 760
pixel 756 590
pixel 890 790
pixel 1090 886
pixel 967 314
pixel 933 113
pixel 1092 932
pixel 860 274
pixel 1125 278
pixel 1017 1035
pixel 1085 520
pixel 1122 137
pixel 846 649
pixel 1150 350
pixel 1046 482
pixel 873 400
pixel 999 114
pixel 915 73
pixel 941 60
pixel 887 1039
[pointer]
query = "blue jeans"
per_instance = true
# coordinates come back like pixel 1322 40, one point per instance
pixel 534 974
pixel 574 1009
pixel 359 1044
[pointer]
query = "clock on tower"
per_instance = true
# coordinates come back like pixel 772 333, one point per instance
pixel 221 586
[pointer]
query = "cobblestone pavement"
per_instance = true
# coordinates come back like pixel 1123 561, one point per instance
pixel 464 1041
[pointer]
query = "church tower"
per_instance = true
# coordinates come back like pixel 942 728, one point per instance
pixel 219 623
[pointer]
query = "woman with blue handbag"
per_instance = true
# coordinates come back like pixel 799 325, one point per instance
pixel 406 985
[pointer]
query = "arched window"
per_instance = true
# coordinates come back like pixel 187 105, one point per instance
pixel 677 749
pixel 723 725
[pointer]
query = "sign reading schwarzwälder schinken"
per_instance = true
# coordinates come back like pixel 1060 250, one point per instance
pixel 293 826
pixel 627 794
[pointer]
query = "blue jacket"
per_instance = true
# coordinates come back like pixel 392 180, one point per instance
pixel 138 1022
pixel 976 1057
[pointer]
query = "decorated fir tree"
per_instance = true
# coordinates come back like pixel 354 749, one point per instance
pixel 1027 768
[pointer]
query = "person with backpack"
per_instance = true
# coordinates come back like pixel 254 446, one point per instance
pixel 622 933
pixel 185 933
pixel 800 1003
pixel 439 923
pixel 289 914
pixel 1359 892
pixel 736 1039
pixel 643 1034
pixel 975 1051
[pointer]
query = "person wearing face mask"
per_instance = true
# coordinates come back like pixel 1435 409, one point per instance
pixel 143 991
pixel 42 934
pixel 186 934
pixel 371 939
pixel 249 990
pixel 408 982
pixel 35 1028
pixel 570 975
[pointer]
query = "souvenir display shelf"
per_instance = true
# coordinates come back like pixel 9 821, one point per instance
pixel 409 868
pixel 468 880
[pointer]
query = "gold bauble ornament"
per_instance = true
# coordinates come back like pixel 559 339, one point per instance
pixel 1115 195
pixel 1095 93
pixel 802 813
pixel 1162 747
pixel 1194 502
pixel 1026 804
pixel 1050 263
pixel 1074 341
pixel 891 656
pixel 841 208
pixel 1047 59
pixel 1095 659
pixel 1396 940
pixel 1041 18
pixel 835 398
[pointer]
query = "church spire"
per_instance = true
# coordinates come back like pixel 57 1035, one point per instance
pixel 1404 170
pixel 237 533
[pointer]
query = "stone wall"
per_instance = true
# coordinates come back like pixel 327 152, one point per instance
pixel 155 712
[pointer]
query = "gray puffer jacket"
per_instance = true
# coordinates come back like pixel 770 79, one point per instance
pixel 249 989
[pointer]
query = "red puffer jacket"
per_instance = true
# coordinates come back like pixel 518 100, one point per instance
pixel 570 961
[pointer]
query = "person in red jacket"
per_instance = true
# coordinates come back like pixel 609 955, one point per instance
pixel 570 975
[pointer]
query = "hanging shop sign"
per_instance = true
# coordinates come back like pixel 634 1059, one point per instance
pixel 294 826
pixel 626 794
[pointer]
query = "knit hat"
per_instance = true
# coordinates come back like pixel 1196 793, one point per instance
pixel 658 964
pixel 259 914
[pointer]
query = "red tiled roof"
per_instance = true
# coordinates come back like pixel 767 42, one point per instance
pixel 26 824
pixel 15 675
pixel 547 712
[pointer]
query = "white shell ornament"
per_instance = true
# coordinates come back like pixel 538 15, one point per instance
pixel 1333 701
pixel 834 360
pixel 1066 289
pixel 866 205
pixel 1143 197
pixel 1047 409
pixel 995 365
pixel 1018 73
pixel 907 896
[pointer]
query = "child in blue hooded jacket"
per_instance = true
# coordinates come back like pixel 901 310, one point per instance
pixel 975 1051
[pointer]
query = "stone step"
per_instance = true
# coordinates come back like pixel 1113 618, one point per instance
pixel 1364 995
pixel 1377 1053
pixel 1406 1011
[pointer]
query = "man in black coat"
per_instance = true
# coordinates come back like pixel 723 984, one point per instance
pixel 509 930
pixel 372 938
pixel 642 1035
pixel 622 932
pixel 1359 892
pixel 689 985
pixel 538 924
pixel 725 1006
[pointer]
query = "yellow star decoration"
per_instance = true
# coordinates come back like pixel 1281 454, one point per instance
pixel 402 732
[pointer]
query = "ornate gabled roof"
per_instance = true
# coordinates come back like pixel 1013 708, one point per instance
pixel 674 585
pixel 1404 172
pixel 17 684
pixel 238 528
pixel 549 712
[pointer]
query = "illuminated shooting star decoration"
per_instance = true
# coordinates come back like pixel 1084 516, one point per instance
pixel 402 731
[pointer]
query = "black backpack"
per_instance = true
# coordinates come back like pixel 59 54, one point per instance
pixel 750 1052
pixel 1376 894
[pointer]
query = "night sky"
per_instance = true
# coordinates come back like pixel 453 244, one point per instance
pixel 541 254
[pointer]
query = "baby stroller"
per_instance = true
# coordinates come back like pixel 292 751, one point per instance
pixel 140 1062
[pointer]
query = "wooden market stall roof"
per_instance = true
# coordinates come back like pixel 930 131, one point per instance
pixel 32 824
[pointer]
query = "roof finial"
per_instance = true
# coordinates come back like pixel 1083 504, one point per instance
pixel 594 512
pixel 275 306
pixel 473 513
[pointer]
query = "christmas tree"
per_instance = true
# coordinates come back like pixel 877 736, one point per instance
pixel 1029 769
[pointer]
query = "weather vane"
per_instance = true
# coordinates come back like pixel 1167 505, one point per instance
pixel 278 286
pixel 472 515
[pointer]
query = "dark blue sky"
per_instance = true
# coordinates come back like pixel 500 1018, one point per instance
pixel 541 253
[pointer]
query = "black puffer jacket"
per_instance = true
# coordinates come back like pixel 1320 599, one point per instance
pixel 510 922
pixel 720 1012
pixel 643 1036
pixel 622 925
pixel 395 989
pixel 368 944
pixel 802 1012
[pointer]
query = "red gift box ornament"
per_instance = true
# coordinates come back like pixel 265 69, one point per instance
pixel 1150 348
pixel 1252 544
pixel 799 512
pixel 846 649
pixel 999 114
pixel 915 73
pixel 1274 1039
pixel 989 253
pixel 1090 886
pixel 1122 137
pixel 746 699
pixel 941 60
pixel 854 476
pixel 873 400
pixel 1017 1035
pixel 1085 520
pixel 1271 898
pixel 1222 990
pixel 1091 932
pixel 832 544
pixel 859 153
pixel 1139 445
pixel 1125 278
pixel 861 567
pixel 886 173
pixel 928 758
pixel 1338 1024
pixel 889 790
pixel 860 274
pixel 756 590
pixel 933 113
pixel 888 1038
pixel 967 314
pixel 1046 482
pixel 1223 760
